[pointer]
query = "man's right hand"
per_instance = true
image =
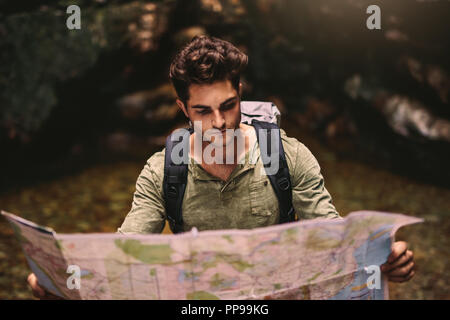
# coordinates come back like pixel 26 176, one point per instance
pixel 38 291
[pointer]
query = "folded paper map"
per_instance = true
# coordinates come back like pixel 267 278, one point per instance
pixel 313 259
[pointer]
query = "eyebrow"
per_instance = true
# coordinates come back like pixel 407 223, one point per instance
pixel 200 106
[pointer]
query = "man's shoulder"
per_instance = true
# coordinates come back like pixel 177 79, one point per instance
pixel 157 158
pixel 294 150
pixel 155 165
pixel 289 143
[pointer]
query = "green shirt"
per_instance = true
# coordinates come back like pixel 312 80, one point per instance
pixel 245 201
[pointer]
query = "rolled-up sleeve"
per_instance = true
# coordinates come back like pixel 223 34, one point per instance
pixel 310 198
pixel 147 214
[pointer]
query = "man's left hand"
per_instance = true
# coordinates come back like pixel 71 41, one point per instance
pixel 400 264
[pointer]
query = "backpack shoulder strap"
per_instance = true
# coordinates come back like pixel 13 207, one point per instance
pixel 175 178
pixel 281 181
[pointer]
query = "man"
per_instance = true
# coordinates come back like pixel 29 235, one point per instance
pixel 230 194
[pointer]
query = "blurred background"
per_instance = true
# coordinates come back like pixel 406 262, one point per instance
pixel 82 110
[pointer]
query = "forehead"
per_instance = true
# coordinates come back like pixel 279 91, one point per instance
pixel 212 94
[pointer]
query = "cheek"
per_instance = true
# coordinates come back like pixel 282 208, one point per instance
pixel 234 115
pixel 206 123
pixel 203 119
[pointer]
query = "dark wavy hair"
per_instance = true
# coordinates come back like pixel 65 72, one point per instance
pixel 205 60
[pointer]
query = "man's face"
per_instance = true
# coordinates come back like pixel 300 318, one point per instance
pixel 216 106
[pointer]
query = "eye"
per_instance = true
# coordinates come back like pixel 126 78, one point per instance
pixel 203 111
pixel 228 106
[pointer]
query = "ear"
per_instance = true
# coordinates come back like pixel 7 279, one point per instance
pixel 182 107
pixel 240 89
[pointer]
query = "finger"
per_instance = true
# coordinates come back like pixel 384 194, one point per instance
pixel 402 279
pixel 406 257
pixel 35 288
pixel 402 270
pixel 398 248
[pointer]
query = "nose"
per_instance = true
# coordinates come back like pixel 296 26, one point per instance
pixel 218 121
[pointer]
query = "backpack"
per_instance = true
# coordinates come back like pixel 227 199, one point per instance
pixel 261 115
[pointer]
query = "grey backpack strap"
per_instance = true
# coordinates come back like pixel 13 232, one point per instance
pixel 281 181
pixel 175 179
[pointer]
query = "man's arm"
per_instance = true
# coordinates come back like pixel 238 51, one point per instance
pixel 310 198
pixel 147 214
